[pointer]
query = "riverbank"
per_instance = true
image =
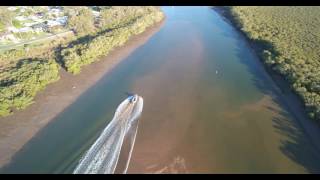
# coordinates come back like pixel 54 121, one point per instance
pixel 16 130
pixel 284 92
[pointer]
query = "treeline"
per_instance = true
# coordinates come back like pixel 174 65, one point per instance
pixel 25 71
pixel 288 40
pixel 117 26
pixel 20 83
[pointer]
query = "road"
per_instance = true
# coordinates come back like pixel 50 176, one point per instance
pixel 13 46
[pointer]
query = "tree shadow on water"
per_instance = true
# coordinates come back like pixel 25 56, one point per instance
pixel 296 145
pixel 296 140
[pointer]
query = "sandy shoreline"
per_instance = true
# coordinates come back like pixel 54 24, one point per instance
pixel 17 129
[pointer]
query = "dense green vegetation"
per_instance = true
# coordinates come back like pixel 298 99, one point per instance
pixel 6 18
pixel 82 22
pixel 36 50
pixel 125 22
pixel 24 72
pixel 288 40
pixel 27 70
pixel 20 83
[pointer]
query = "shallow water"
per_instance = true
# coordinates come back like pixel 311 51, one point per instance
pixel 209 107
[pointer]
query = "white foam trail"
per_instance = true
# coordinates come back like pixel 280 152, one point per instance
pixel 103 155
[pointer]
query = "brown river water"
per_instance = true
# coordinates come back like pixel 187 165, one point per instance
pixel 209 107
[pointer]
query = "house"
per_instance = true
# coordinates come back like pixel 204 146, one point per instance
pixel 3 35
pixel 21 18
pixel 95 13
pixel 30 24
pixel 12 8
pixel 22 9
pixel 9 37
pixel 40 27
pixel 44 7
pixel 55 11
pixel 34 18
pixel 52 23
pixel 40 14
pixel 25 29
pixel 12 29
pixel 62 20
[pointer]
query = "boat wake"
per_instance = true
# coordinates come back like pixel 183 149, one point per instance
pixel 103 155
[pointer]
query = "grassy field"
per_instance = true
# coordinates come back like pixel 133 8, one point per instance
pixel 288 40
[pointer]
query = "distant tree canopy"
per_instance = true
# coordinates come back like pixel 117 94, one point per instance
pixel 24 72
pixel 82 22
pixel 288 39
pixel 120 24
pixel 112 16
pixel 6 17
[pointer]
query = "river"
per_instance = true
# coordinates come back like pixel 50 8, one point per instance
pixel 209 107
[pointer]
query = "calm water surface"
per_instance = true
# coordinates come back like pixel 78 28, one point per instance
pixel 209 107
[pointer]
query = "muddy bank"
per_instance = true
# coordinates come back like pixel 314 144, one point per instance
pixel 17 129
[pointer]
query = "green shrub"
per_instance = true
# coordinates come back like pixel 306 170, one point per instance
pixel 24 72
pixel 293 34
pixel 89 51
pixel 20 83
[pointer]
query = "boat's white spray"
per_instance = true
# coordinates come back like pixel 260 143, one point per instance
pixel 103 155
